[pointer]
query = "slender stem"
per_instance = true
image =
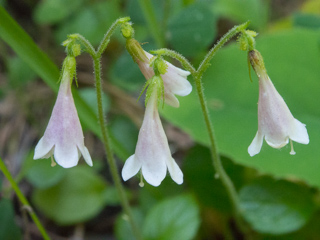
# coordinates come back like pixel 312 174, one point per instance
pixel 214 149
pixel 232 32
pixel 23 200
pixel 185 63
pixel 109 151
pixel 213 143
pixel 106 38
pixel 150 16
pixel 96 56
pixel 90 49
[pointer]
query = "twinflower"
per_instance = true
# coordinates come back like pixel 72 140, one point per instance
pixel 63 137
pixel 174 80
pixel 152 153
pixel 275 121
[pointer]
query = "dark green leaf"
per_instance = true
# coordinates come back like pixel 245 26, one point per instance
pixel 123 230
pixel 276 207
pixel 127 74
pixel 192 30
pixel 125 133
pixel 91 22
pixel 201 177
pixel 42 175
pixel 171 219
pixel 8 228
pixel 53 11
pixel 78 197
pixel 306 20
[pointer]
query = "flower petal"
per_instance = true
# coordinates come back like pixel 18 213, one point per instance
pixel 86 155
pixel 175 82
pixel 171 100
pixel 130 168
pixel 154 171
pixel 66 155
pixel 174 170
pixel 299 132
pixel 256 144
pixel 277 144
pixel 42 149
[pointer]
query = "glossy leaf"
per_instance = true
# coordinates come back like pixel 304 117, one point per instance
pixel 79 196
pixel 171 219
pixel 200 175
pixel 53 11
pixel 192 29
pixel 276 207
pixel 43 176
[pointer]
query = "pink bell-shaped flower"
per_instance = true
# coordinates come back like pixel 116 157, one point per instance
pixel 152 153
pixel 275 121
pixel 63 137
pixel 174 80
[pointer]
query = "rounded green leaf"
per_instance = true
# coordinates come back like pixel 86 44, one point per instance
pixel 276 207
pixel 123 229
pixel 42 175
pixel 192 30
pixel 79 196
pixel 53 11
pixel 171 219
pixel 200 175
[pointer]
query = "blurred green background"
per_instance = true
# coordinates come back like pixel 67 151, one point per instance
pixel 279 193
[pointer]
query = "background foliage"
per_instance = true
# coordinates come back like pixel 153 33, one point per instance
pixel 279 193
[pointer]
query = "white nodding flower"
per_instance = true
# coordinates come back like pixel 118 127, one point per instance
pixel 174 80
pixel 275 122
pixel 152 153
pixel 63 137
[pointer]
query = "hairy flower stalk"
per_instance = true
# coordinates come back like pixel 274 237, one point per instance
pixel 275 121
pixel 63 137
pixel 152 153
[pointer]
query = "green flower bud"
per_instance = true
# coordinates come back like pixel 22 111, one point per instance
pixel 257 63
pixel 127 30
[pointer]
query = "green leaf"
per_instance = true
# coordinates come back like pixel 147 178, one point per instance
pixel 9 230
pixel 125 132
pixel 79 196
pixel 276 207
pixel 53 11
pixel 91 22
pixel 200 175
pixel 192 30
pixel 127 74
pixel 176 218
pixel 291 58
pixel 42 175
pixel 123 229
pixel 306 20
